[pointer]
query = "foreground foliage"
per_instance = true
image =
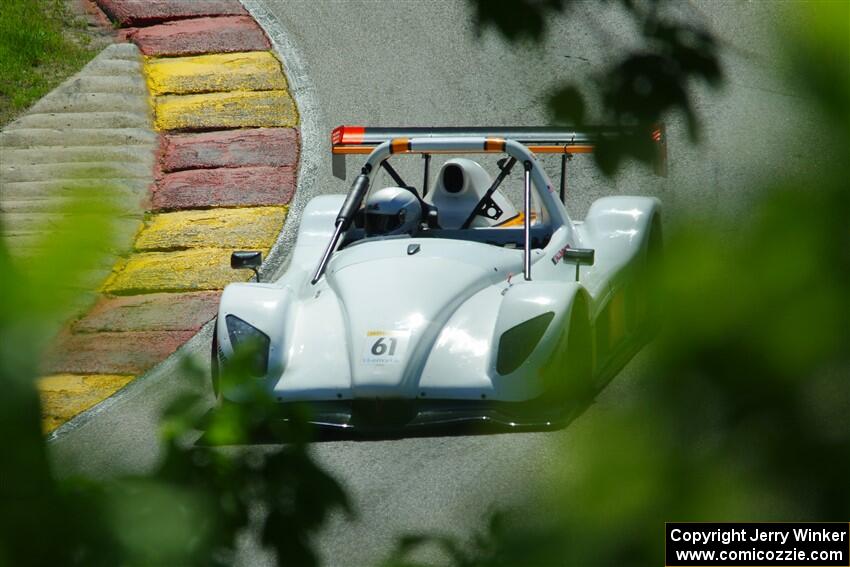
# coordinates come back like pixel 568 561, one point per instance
pixel 743 413
pixel 192 508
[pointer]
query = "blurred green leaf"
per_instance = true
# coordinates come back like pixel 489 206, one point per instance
pixel 567 105
pixel 516 19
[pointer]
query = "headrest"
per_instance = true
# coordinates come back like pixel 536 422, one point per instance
pixel 460 185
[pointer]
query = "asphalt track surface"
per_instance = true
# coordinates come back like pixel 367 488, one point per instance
pixel 418 64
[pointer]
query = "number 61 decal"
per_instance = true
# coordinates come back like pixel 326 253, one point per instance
pixel 379 348
pixel 385 347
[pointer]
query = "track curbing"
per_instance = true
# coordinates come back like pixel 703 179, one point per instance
pixel 214 191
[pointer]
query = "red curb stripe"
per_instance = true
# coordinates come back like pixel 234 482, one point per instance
pixel 151 312
pixel 230 148
pixel 98 15
pixel 147 12
pixel 225 187
pixel 202 35
pixel 112 353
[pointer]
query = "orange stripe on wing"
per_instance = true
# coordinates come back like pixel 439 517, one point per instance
pixel 352 149
pixel 560 149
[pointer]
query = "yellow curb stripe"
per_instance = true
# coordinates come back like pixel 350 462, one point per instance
pixel 251 71
pixel 255 227
pixel 182 270
pixel 236 109
pixel 65 395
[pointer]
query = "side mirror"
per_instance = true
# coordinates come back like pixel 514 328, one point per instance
pixel 580 256
pixel 247 260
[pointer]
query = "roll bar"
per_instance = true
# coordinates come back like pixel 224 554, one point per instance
pixel 521 143
pixel 447 144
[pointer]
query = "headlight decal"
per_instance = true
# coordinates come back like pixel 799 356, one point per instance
pixel 517 343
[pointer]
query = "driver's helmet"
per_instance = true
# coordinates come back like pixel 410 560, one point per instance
pixel 392 210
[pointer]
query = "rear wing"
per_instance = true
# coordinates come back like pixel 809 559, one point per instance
pixel 541 140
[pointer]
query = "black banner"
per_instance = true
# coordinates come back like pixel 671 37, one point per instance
pixel 818 544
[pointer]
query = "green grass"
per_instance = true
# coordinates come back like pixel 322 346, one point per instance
pixel 41 44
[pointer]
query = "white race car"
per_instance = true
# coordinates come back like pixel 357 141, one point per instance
pixel 403 308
